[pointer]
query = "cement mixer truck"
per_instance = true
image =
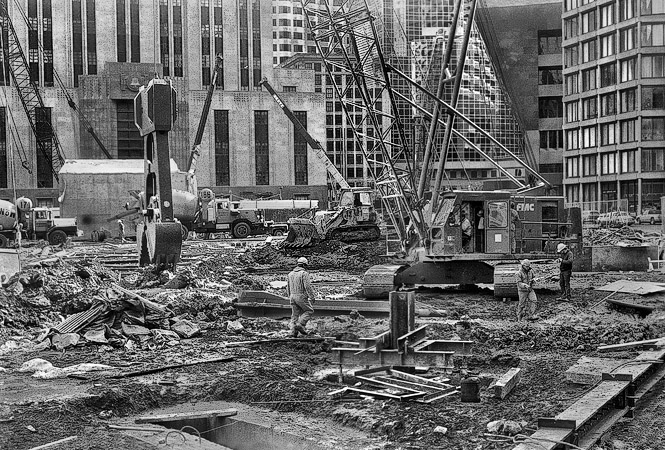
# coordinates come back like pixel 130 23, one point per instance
pixel 37 223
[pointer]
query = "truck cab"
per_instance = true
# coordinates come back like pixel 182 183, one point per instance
pixel 42 225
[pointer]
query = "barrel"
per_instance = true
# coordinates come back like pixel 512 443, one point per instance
pixel 470 390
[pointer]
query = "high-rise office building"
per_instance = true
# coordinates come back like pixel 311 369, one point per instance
pixel 614 103
pixel 104 51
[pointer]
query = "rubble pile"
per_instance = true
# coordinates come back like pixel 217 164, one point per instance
pixel 624 236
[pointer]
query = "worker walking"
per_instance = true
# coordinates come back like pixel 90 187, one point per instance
pixel 301 296
pixel 528 300
pixel 467 232
pixel 565 270
pixel 121 230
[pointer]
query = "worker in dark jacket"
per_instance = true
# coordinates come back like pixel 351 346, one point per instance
pixel 527 297
pixel 565 270
pixel 301 296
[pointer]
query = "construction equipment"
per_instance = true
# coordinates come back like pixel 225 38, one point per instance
pixel 37 223
pixel 353 220
pixel 158 237
pixel 192 185
pixel 427 219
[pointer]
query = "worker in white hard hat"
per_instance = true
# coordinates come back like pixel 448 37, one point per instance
pixel 301 296
pixel 121 230
pixel 528 301
pixel 565 270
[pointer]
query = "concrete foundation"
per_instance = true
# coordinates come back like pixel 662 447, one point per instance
pixel 613 258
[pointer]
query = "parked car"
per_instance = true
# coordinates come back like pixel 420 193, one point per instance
pixel 650 216
pixel 615 219
pixel 590 217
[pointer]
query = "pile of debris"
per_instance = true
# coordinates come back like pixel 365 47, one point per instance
pixel 624 237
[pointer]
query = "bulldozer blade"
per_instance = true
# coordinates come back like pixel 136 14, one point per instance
pixel 160 243
pixel 302 233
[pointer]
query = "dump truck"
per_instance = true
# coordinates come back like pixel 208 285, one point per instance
pixel 38 223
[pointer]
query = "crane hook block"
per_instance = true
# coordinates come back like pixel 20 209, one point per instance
pixel 155 107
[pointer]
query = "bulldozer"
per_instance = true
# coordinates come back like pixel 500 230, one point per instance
pixel 353 220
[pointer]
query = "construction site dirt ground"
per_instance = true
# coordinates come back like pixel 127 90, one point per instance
pixel 286 384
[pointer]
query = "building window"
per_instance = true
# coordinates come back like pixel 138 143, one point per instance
pixel 648 7
pixel 570 4
pixel 549 107
pixel 571 27
pixel 589 50
pixel 33 42
pixel 653 128
pixel 77 41
pixel 205 45
pixel 549 168
pixel 572 84
pixel 608 163
pixel 121 30
pixel 261 148
pixel 589 192
pixel 44 139
pixel 589 137
pixel 91 36
pixel 4 169
pixel 589 108
pixel 256 44
pixel 627 130
pixel 164 33
pixel 572 139
pixel 572 167
pixel 130 142
pixel 589 165
pixel 589 21
pixel 652 191
pixel 573 193
pixel 608 104
pixel 608 74
pixel 627 9
pixel 300 150
pixel 177 39
pixel 652 35
pixel 627 100
pixel 607 45
pixel 571 56
pixel 608 190
pixel 653 97
pixel 653 159
pixel 652 66
pixel 243 30
pixel 134 31
pixel 606 15
pixel 627 39
pixel 550 76
pixel 608 133
pixel 627 161
pixel 551 140
pixel 222 154
pixel 549 42
pixel 627 69
pixel 588 79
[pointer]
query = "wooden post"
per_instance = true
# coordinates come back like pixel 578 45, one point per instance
pixel 402 315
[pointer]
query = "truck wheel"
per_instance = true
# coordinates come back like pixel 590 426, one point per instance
pixel 57 237
pixel 278 232
pixel 185 232
pixel 241 230
pixel 4 242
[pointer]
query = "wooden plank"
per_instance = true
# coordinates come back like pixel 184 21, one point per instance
pixel 408 384
pixel 632 287
pixel 54 443
pixel 210 414
pixel 386 384
pixel 461 348
pixel 374 393
pixel 420 380
pixel 431 398
pixel 506 383
pixel 628 345
pixel 601 427
pixel 585 408
pixel 546 439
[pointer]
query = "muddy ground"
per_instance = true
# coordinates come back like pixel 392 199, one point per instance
pixel 295 378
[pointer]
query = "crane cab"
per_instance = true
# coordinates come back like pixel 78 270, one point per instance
pixel 494 223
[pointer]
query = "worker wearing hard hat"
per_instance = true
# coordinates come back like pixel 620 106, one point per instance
pixel 528 301
pixel 301 296
pixel 565 270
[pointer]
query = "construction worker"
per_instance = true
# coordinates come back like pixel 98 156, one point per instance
pixel 480 232
pixel 301 296
pixel 467 232
pixel 528 300
pixel 121 230
pixel 565 270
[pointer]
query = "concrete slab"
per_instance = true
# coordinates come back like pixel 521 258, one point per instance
pixel 589 370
